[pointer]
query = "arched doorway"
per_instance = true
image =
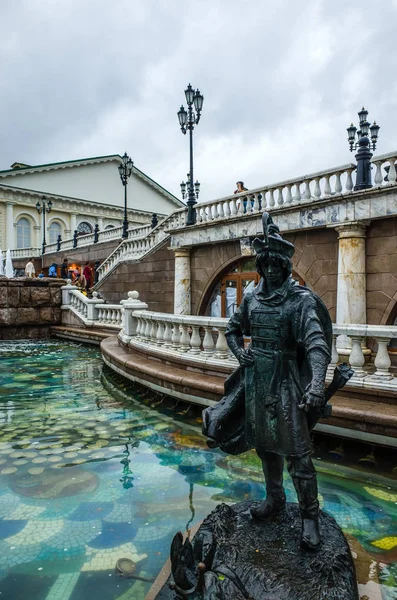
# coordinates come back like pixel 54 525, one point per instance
pixel 228 290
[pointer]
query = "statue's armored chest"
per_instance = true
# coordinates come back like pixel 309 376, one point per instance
pixel 266 324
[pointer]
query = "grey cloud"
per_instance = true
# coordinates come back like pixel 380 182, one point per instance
pixel 281 83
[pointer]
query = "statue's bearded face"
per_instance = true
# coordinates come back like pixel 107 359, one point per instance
pixel 273 269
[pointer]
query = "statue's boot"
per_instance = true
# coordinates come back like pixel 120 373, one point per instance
pixel 306 490
pixel 275 496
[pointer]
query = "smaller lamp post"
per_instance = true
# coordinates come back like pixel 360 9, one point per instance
pixel 364 145
pixel 188 120
pixel 125 170
pixel 43 208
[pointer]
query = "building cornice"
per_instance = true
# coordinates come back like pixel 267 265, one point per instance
pixel 17 195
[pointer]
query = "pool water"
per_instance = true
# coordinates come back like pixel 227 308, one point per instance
pixel 94 469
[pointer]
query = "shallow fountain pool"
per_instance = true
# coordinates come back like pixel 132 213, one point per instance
pixel 93 469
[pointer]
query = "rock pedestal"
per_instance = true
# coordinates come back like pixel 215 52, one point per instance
pixel 234 557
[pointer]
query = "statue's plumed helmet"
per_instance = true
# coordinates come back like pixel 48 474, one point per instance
pixel 272 240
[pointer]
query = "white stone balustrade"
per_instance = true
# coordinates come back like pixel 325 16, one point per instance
pixel 199 338
pixel 368 374
pixel 25 253
pixel 141 242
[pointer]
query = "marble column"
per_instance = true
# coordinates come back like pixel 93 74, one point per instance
pixel 351 305
pixel 10 239
pixel 73 222
pixel 100 223
pixel 182 289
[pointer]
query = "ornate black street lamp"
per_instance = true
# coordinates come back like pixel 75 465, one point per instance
pixel 187 121
pixel 43 208
pixel 364 145
pixel 125 170
pixel 186 184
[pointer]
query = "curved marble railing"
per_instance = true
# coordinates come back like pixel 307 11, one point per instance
pixel 137 246
pixel 202 339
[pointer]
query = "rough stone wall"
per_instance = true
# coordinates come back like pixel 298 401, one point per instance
pixel 28 307
pixel 316 261
pixel 381 251
pixel 153 278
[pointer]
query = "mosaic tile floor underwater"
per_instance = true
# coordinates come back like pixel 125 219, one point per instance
pixel 91 471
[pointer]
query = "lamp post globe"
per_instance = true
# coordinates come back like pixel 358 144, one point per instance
pixel 125 171
pixel 187 121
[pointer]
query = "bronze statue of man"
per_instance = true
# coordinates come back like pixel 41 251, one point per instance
pixel 278 393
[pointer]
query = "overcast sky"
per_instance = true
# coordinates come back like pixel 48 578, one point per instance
pixel 281 81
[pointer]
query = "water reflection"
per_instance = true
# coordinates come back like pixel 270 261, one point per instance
pixel 91 471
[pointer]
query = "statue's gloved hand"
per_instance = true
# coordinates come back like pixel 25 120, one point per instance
pixel 245 357
pixel 313 398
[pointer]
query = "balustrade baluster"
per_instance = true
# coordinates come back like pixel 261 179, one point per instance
pixel 176 336
pixel 271 198
pixel 240 207
pixel 185 338
pixel 233 207
pixel 160 333
pixel 317 188
pixel 378 175
pixel 148 327
pixel 307 195
pixel 137 326
pixel 338 183
pixel 221 347
pixel 280 197
pixel 227 209
pixel 208 342
pixel 256 203
pixel 153 332
pixel 195 340
pixel 288 197
pixel 220 210
pixel 327 186
pixel 297 197
pixel 349 180
pixel 392 171
pixel 382 360
pixel 357 358
pixel 167 335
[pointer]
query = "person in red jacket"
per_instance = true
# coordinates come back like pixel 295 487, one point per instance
pixel 87 273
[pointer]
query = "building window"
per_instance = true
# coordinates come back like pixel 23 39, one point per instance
pixel 54 231
pixel 24 233
pixel 83 228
